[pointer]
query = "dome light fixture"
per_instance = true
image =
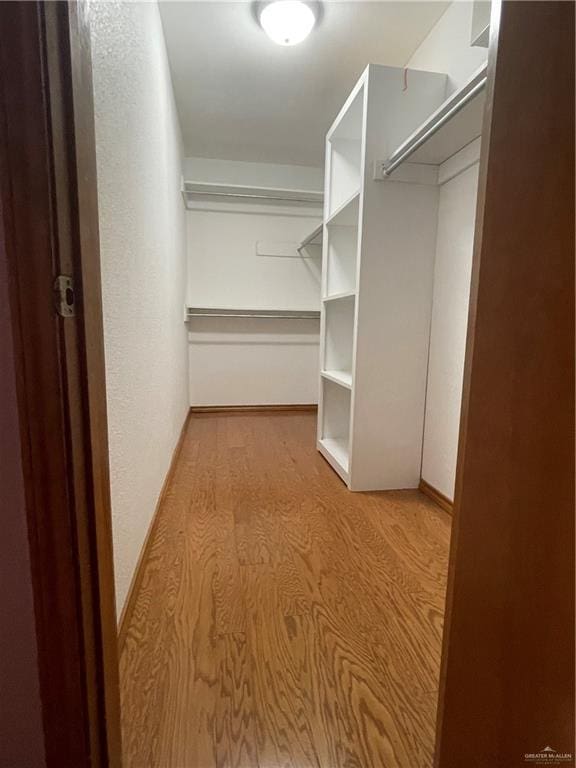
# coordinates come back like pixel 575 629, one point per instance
pixel 287 22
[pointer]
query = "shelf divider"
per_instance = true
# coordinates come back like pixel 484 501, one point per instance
pixel 345 213
pixel 343 378
pixel 339 296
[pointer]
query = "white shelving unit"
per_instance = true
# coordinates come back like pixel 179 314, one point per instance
pixel 378 252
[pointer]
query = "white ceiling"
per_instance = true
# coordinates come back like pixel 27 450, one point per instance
pixel 241 97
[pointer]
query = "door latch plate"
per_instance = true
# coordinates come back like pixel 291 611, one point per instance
pixel 64 295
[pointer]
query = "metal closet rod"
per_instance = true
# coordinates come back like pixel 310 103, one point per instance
pixel 312 236
pixel 315 201
pixel 259 313
pixel 251 192
pixel 466 98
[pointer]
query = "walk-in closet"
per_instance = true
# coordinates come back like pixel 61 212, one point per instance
pixel 287 226
pixel 287 390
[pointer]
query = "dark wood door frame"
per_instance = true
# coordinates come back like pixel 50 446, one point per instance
pixel 48 198
pixel 507 687
pixel 507 678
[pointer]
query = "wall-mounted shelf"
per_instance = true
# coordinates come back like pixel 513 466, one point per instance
pixel 275 314
pixel 455 124
pixel 198 190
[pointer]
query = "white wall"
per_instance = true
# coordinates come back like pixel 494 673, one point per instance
pixel 252 361
pixel 452 270
pixel 142 231
pixel 447 47
pixel 225 271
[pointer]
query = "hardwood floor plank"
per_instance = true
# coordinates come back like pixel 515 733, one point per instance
pixel 255 529
pixel 284 737
pixel 234 731
pixel 283 621
pixel 192 682
pixel 229 605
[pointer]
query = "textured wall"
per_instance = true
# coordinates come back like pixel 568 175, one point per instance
pixel 143 244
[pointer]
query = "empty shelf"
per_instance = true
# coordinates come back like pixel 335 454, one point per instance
pixel 456 123
pixel 335 450
pixel 347 213
pixel 344 378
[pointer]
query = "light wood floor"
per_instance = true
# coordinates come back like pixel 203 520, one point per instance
pixel 282 620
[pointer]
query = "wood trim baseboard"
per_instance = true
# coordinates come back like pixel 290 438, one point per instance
pixel 138 575
pixel 196 409
pixel 434 494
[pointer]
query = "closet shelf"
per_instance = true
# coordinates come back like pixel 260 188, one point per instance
pixel 339 296
pixel 283 314
pixel 314 238
pixel 199 189
pixel 343 378
pixel 456 123
pixel 335 450
pixel 347 213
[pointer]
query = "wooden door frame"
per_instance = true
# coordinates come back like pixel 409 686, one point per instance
pixel 49 205
pixel 507 679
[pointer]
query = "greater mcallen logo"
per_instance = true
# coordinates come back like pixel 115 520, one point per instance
pixel 548 756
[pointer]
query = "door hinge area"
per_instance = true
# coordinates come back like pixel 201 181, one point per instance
pixel 64 295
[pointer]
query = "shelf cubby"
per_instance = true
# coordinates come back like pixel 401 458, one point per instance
pixel 341 255
pixel 339 334
pixel 335 431
pixel 345 152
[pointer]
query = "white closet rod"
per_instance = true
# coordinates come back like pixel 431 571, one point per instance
pixel 444 114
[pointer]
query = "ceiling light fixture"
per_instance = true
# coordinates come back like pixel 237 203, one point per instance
pixel 287 22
